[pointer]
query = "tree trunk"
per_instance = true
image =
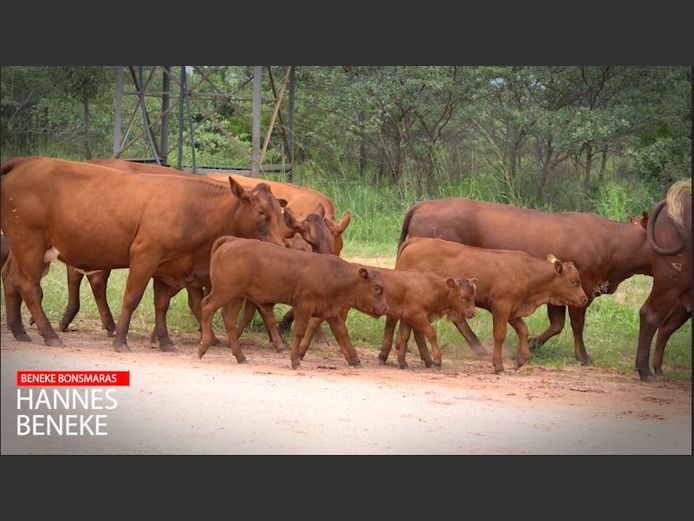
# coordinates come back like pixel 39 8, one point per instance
pixel 603 165
pixel 589 162
pixel 85 106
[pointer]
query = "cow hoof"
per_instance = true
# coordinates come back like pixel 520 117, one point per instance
pixel 438 364
pixel 645 376
pixel 586 361
pixel 499 371
pixel 533 344
pixel 283 348
pixel 658 371
pixel 22 337
pixel 519 363
pixel 121 347
pixel 215 341
pixel 296 364
pixel 63 327
pixel 356 365
pixel 428 363
pixel 382 360
pixel 242 360
pixel 480 350
pixel 54 342
pixel 110 332
pixel 168 348
pixel 201 352
pixel 403 365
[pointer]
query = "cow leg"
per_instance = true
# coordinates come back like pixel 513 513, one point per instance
pixel 74 279
pixel 578 319
pixel 339 329
pixel 163 293
pixel 286 321
pixel 423 350
pixel 387 345
pixel 13 302
pixel 230 313
pixel 313 326
pixel 523 349
pixel 98 282
pixel 652 314
pixel 195 294
pixel 469 335
pixel 557 317
pixel 266 311
pixel 676 319
pixel 499 318
pixel 138 276
pixel 403 337
pixel 249 309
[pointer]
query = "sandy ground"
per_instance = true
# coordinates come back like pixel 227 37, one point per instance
pixel 177 404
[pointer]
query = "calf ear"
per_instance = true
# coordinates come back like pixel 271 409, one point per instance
pixel 363 273
pixel 291 221
pixel 320 210
pixel 283 202
pixel 451 283
pixel 237 189
pixel 644 220
pixel 556 262
pixel 344 222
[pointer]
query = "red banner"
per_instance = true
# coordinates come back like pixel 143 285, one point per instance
pixel 72 378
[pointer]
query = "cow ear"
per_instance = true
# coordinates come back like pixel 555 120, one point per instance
pixel 363 273
pixel 644 219
pixel 320 210
pixel 237 189
pixel 451 283
pixel 283 202
pixel 556 262
pixel 294 224
pixel 344 222
pixel 559 267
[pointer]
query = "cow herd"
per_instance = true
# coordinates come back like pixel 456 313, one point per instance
pixel 236 243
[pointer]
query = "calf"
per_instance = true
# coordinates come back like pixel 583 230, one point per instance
pixel 669 303
pixel 316 285
pixel 417 299
pixel 511 284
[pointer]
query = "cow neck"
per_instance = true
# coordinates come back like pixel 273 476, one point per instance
pixel 223 206
pixel 630 255
pixel 538 278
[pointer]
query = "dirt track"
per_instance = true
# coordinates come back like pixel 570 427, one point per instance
pixel 177 404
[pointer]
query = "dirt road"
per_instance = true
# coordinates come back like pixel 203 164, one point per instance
pixel 177 404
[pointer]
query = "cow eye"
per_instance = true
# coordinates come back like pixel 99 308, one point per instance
pixel 261 213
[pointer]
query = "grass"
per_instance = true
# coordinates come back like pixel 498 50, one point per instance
pixel 612 323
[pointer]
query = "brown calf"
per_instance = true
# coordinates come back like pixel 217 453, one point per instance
pixel 316 285
pixel 511 284
pixel 669 303
pixel 604 251
pixel 96 218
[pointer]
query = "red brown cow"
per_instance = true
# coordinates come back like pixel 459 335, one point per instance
pixel 511 284
pixel 669 303
pixel 316 285
pixel 96 218
pixel 416 299
pixel 605 252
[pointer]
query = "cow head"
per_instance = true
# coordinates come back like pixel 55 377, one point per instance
pixel 315 231
pixel 260 216
pixel 461 296
pixel 368 292
pixel 565 287
pixel 336 229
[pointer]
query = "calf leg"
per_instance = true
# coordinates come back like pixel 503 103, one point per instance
pixel 676 319
pixel 387 345
pixel 163 293
pixel 230 314
pixel 557 317
pixel 286 321
pixel 339 329
pixel 249 309
pixel 652 314
pixel 403 337
pixel 98 282
pixel 469 335
pixel 13 301
pixel 523 349
pixel 313 326
pixel 301 319
pixel 499 318
pixel 578 319
pixel 423 326
pixel 266 311
pixel 74 279
pixel 195 295
pixel 423 350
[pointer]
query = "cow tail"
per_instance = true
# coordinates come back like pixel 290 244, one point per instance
pixel 406 224
pixel 650 235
